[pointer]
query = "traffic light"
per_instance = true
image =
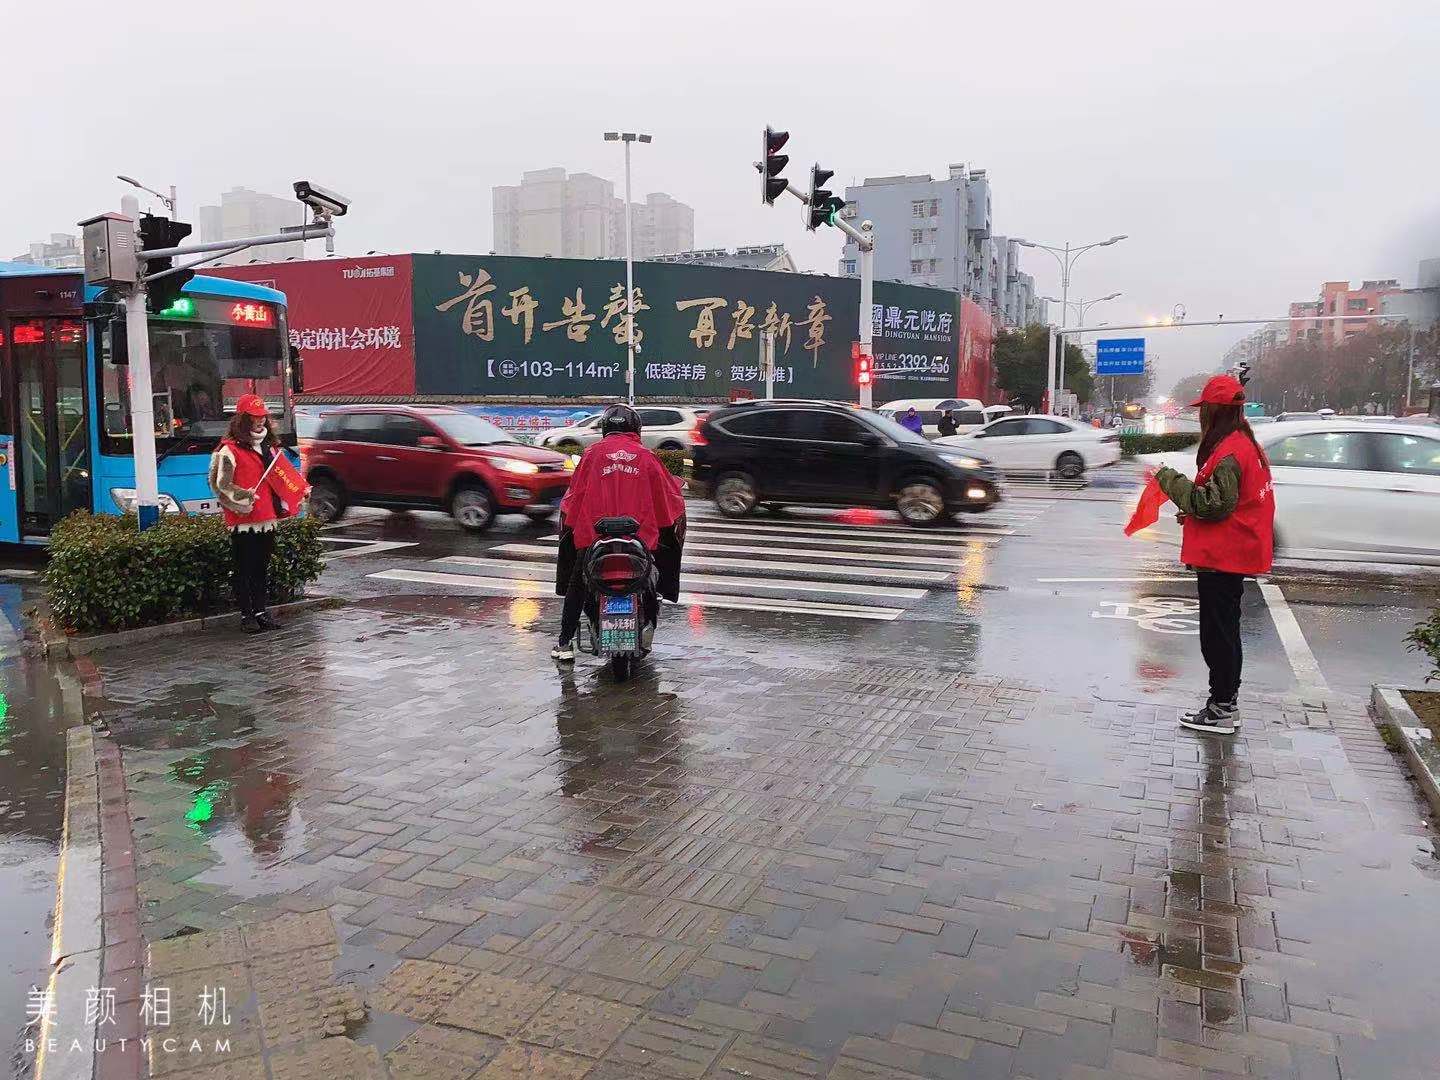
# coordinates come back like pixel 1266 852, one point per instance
pixel 864 365
pixel 772 184
pixel 824 204
pixel 161 232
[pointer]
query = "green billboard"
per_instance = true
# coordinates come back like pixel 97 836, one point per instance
pixel 503 326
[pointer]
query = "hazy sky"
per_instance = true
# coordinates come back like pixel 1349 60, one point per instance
pixel 1249 149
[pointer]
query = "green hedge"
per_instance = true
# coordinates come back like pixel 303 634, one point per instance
pixel 1426 638
pixel 674 460
pixel 105 574
pixel 1132 445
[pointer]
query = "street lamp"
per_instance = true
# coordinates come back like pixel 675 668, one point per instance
pixel 1066 257
pixel 169 200
pixel 628 137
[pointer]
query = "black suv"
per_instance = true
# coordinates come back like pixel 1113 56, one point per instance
pixel 818 453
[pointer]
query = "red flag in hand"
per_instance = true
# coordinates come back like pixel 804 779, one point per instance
pixel 1147 511
pixel 287 483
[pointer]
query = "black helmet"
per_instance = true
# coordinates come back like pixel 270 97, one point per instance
pixel 620 418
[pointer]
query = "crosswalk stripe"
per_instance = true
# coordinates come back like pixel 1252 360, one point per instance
pixel 542 571
pixel 697 534
pixel 840 531
pixel 811 570
pixel 701 546
pixel 368 547
pixel 530 587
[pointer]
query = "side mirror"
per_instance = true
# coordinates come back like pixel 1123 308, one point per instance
pixel 870 438
pixel 297 371
pixel 430 442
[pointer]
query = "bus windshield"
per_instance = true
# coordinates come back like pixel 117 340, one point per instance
pixel 205 354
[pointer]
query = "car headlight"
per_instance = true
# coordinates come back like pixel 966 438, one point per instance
pixel 523 468
pixel 571 461
pixel 125 500
pixel 965 461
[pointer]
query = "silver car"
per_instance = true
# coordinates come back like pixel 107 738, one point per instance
pixel 662 427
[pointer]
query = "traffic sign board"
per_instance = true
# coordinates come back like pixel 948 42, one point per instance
pixel 1120 356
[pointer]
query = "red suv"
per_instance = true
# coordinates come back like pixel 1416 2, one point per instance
pixel 429 458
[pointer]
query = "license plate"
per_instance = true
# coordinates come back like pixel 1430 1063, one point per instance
pixel 619 605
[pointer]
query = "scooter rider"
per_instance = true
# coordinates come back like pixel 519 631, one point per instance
pixel 617 477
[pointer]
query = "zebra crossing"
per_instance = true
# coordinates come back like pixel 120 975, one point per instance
pixel 858 565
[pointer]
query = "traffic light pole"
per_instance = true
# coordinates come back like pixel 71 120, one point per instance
pixel 864 238
pixel 142 408
pixel 142 398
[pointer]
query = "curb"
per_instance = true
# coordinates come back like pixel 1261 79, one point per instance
pixel 1416 740
pixel 56 643
pixel 76 953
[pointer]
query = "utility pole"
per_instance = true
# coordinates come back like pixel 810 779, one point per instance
pixel 628 137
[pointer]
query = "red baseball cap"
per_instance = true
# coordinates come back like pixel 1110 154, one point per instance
pixel 1221 390
pixel 251 405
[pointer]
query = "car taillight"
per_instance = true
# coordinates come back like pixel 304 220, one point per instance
pixel 697 434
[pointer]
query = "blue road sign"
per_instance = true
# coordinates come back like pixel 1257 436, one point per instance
pixel 1120 356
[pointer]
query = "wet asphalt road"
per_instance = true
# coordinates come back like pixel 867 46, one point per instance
pixel 1045 589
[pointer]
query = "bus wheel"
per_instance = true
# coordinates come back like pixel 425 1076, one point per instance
pixel 327 499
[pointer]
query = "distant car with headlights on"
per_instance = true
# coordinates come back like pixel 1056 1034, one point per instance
pixel 662 427
pixel 401 457
pixel 1041 444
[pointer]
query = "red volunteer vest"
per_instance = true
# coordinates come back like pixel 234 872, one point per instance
pixel 1244 542
pixel 249 467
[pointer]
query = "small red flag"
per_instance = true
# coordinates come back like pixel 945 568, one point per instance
pixel 1147 511
pixel 287 483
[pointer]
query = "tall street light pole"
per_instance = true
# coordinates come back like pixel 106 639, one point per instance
pixel 168 200
pixel 1066 257
pixel 1081 307
pixel 628 137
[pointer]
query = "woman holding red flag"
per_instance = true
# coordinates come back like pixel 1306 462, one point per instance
pixel 240 473
pixel 1228 515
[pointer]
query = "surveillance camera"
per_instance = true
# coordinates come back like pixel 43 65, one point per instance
pixel 323 201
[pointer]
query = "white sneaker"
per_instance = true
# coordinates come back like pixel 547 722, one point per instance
pixel 564 654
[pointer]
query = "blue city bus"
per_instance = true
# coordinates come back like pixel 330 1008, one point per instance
pixel 65 422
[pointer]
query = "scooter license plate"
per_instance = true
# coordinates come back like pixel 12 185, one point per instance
pixel 619 625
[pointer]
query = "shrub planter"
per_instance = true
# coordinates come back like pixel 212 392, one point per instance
pixel 1133 445
pixel 106 575
pixel 1415 738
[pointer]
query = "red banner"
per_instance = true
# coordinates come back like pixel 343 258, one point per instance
pixel 351 319
pixel 976 375
pixel 1147 510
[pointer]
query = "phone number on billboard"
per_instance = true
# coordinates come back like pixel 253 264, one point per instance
pixel 907 363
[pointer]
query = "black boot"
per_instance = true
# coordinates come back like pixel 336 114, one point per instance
pixel 268 621
pixel 250 624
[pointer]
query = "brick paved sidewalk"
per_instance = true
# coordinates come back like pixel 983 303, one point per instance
pixel 407 846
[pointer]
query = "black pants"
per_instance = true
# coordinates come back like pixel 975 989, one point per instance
pixel 252 550
pixel 1220 631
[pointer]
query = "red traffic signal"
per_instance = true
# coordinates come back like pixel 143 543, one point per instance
pixel 864 365
pixel 772 184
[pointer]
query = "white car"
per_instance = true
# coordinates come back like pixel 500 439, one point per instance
pixel 1041 444
pixel 662 427
pixel 1346 489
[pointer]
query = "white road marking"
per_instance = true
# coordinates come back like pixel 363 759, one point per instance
pixel 864 573
pixel 723 545
pixel 530 587
pixel 17 572
pixel 371 547
pixel 825 532
pixel 1302 660
pixel 1059 580
pixel 546 572
pixel 700 534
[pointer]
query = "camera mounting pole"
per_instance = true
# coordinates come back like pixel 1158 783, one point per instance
pixel 118 262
